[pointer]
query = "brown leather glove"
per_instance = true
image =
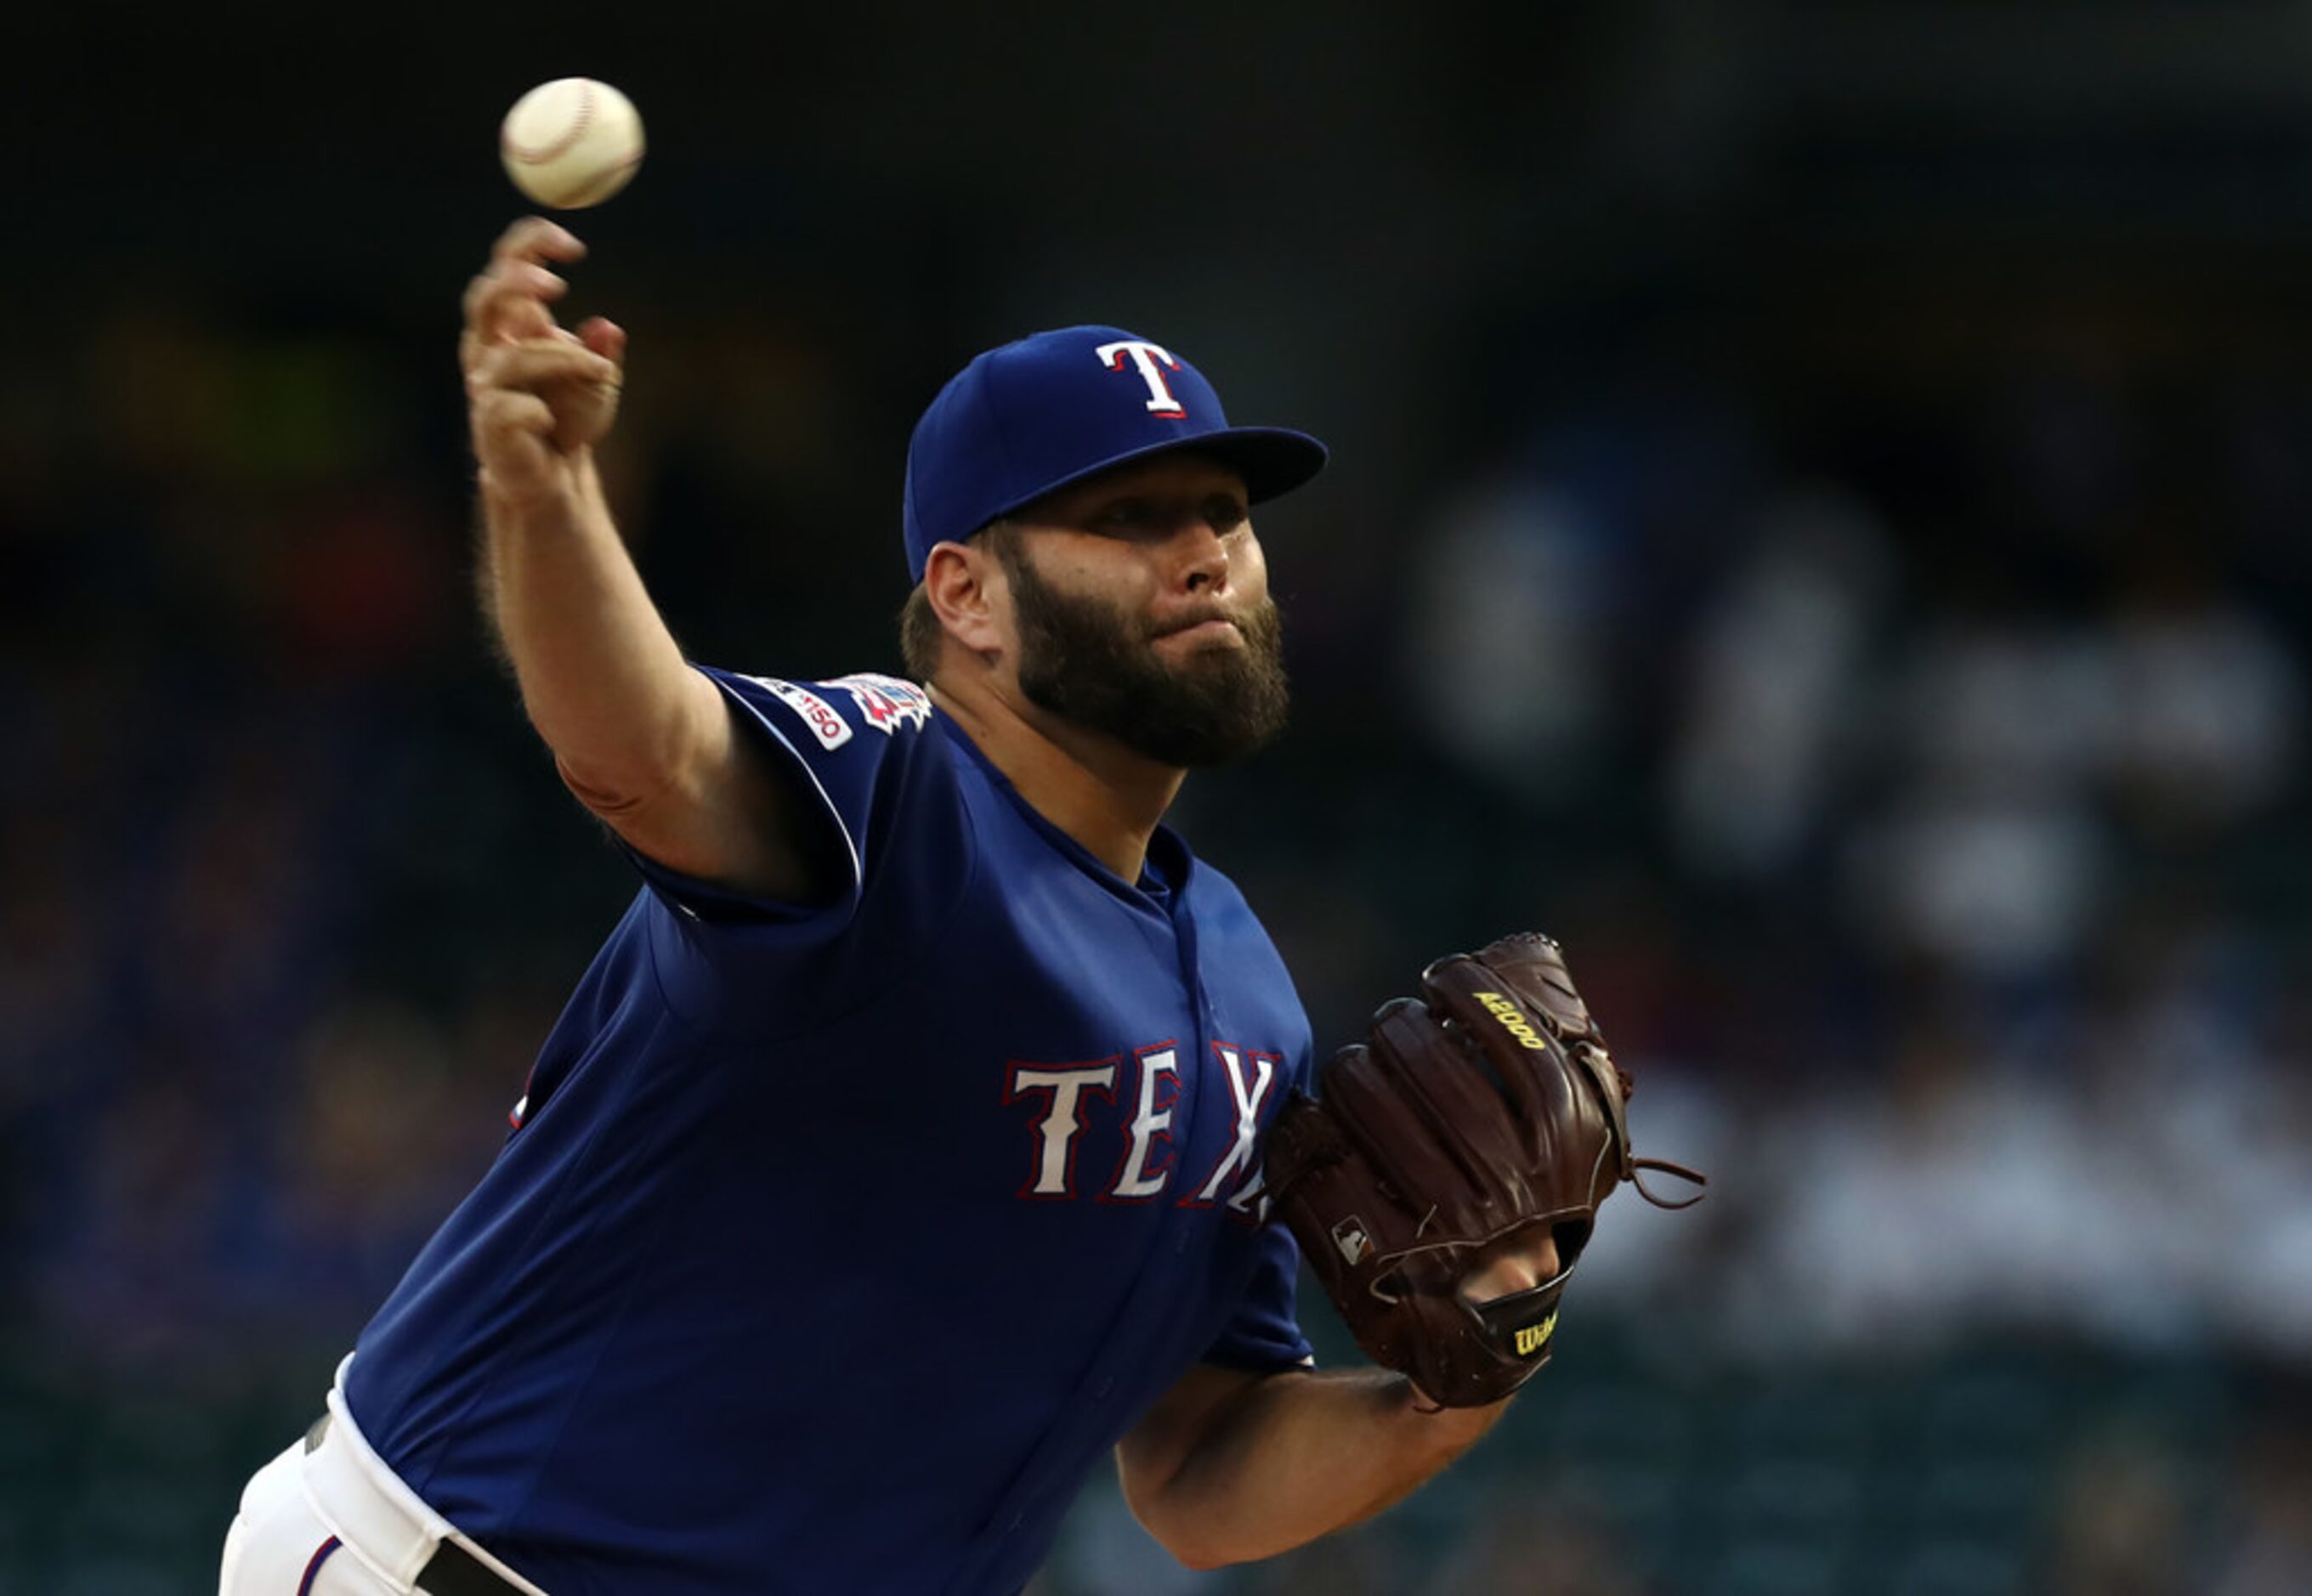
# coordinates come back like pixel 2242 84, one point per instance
pixel 1488 1108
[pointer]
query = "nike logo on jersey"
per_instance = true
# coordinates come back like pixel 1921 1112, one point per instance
pixel 1070 1099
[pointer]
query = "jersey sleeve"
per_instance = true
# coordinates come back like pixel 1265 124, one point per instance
pixel 864 751
pixel 1263 1335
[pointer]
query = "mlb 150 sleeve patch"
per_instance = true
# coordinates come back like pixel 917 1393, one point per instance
pixel 825 723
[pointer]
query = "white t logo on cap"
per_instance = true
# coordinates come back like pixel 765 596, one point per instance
pixel 1145 355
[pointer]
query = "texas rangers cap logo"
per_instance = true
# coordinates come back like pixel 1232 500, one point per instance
pixel 1150 360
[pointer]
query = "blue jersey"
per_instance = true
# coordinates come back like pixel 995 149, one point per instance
pixel 834 1246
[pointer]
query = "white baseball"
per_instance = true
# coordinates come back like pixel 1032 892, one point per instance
pixel 571 142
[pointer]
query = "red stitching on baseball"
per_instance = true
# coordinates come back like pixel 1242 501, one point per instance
pixel 601 186
pixel 563 145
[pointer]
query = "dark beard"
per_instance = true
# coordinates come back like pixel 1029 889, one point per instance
pixel 1088 663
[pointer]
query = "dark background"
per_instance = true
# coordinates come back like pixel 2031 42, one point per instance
pixel 1818 522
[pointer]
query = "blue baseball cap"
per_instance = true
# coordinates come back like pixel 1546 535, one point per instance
pixel 1056 408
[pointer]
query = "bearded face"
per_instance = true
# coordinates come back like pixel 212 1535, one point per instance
pixel 1087 661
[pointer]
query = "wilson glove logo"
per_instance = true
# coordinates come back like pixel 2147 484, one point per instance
pixel 1533 1338
pixel 1513 1019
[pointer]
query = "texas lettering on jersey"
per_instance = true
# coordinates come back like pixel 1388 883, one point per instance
pixel 1065 1095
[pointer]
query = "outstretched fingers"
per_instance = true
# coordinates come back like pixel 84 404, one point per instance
pixel 509 298
pixel 536 238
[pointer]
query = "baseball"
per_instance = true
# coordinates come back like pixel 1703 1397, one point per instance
pixel 571 142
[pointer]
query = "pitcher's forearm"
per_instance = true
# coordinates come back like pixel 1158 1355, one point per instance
pixel 1298 1456
pixel 602 677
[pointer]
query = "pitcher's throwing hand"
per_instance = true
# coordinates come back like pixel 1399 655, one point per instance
pixel 537 391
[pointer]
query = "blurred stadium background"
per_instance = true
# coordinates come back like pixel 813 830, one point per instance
pixel 1818 523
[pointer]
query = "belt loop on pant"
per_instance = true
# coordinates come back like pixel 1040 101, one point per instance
pixel 453 1571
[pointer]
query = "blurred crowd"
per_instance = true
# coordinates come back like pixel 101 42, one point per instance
pixel 1971 867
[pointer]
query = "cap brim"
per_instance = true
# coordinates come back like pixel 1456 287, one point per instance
pixel 1272 460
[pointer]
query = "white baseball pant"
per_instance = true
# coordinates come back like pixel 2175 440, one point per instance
pixel 330 1519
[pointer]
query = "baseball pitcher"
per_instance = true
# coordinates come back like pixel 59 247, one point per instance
pixel 900 1156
